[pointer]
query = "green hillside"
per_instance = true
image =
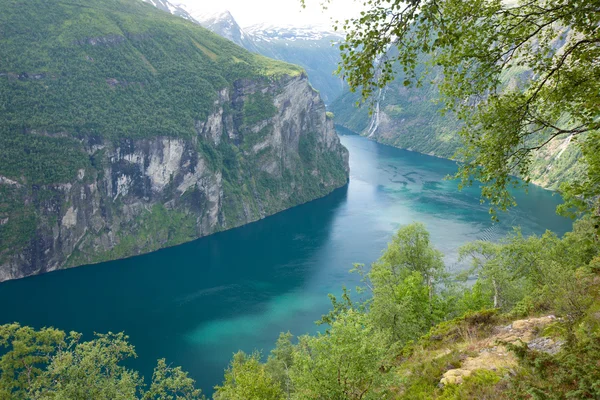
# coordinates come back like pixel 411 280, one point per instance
pixel 411 118
pixel 527 327
pixel 105 68
pixel 92 92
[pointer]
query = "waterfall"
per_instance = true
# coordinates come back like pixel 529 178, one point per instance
pixel 564 146
pixel 375 118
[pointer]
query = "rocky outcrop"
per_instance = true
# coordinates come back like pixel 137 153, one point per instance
pixel 494 356
pixel 141 195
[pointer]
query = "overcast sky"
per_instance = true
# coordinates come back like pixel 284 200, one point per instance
pixel 250 12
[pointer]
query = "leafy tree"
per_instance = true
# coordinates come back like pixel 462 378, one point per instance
pixel 248 379
pixel 403 307
pixel 474 298
pixel 580 195
pixel 566 280
pixel 350 361
pixel 280 362
pixel 28 352
pixel 91 370
pixel 403 282
pixel 487 264
pixel 411 250
pixel 48 364
pixel 518 73
pixel 537 272
pixel 171 383
pixel 340 307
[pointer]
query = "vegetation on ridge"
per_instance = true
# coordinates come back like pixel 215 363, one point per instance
pixel 50 364
pixel 110 69
pixel 413 332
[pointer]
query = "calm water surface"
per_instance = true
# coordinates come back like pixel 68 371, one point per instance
pixel 197 303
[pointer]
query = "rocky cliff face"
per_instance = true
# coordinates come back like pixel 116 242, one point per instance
pixel 266 146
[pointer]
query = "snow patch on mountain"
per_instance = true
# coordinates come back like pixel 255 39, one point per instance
pixel 314 47
pixel 172 8
pixel 270 32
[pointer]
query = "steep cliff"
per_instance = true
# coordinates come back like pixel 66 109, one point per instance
pixel 140 130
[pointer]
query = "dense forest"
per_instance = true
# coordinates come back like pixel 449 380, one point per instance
pixel 118 52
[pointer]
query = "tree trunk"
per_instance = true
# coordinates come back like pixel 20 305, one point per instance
pixel 495 293
pixel 430 287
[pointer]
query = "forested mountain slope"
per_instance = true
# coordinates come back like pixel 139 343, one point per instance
pixel 124 129
pixel 411 118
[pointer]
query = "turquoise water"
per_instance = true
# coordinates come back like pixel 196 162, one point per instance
pixel 197 303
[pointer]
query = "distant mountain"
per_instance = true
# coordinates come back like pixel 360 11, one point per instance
pixel 169 7
pixel 270 32
pixel 312 47
pixel 222 23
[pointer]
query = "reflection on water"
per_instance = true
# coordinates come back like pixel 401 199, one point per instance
pixel 197 303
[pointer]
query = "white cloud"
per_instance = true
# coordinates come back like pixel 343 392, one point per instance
pixel 280 12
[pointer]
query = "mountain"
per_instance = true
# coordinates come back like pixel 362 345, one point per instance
pixel 312 47
pixel 125 129
pixel 223 24
pixel 410 118
pixel 401 116
pixel 171 8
